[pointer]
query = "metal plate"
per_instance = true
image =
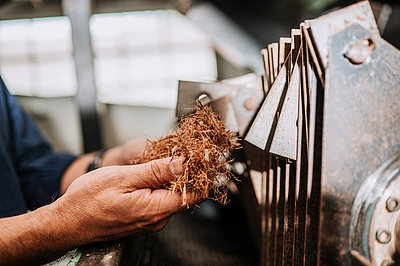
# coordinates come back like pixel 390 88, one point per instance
pixel 358 99
pixel 267 79
pixel 325 26
pixel 284 142
pixel 284 50
pixel 189 92
pixel 236 100
pixel 261 131
pixel 273 55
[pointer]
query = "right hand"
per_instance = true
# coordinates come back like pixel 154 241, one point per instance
pixel 118 201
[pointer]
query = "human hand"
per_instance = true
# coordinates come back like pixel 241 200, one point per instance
pixel 120 155
pixel 118 201
pixel 124 154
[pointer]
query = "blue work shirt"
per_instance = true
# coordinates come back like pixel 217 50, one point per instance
pixel 30 171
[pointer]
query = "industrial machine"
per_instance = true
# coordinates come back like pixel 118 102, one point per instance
pixel 325 142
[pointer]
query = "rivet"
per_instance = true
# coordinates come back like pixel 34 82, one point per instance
pixel 392 204
pixel 359 51
pixel 383 236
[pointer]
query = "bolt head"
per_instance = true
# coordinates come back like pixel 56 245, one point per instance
pixel 383 236
pixel 359 52
pixel 392 204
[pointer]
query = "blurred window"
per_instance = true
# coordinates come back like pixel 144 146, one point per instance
pixel 139 56
pixel 36 57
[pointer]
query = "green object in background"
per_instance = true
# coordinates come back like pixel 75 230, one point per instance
pixel 75 258
pixel 320 5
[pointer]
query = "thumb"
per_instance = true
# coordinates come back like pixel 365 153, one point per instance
pixel 157 172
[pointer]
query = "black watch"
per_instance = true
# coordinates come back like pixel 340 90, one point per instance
pixel 96 162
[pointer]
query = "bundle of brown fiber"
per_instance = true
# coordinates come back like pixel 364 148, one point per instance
pixel 204 142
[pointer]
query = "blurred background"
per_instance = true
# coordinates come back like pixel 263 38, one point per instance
pixel 97 73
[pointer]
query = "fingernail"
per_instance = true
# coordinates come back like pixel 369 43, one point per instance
pixel 175 166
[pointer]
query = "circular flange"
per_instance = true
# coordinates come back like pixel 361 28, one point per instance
pixel 376 215
pixel 382 238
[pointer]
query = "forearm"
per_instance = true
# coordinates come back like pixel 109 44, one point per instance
pixel 36 237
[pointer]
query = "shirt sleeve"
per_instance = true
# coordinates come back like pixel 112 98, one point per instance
pixel 38 167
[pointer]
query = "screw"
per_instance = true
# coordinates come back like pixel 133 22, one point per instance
pixel 392 204
pixel 204 99
pixel 359 51
pixel 383 236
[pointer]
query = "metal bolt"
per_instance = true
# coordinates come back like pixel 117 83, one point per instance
pixel 388 263
pixel 383 236
pixel 359 51
pixel 204 99
pixel 392 204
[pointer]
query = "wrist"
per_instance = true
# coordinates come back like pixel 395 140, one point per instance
pixel 63 221
pixel 96 161
pixel 54 222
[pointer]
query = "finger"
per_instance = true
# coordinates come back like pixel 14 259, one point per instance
pixel 154 173
pixel 159 226
pixel 133 149
pixel 173 202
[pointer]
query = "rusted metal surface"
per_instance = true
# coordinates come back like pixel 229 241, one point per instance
pixel 189 92
pixel 284 142
pixel 294 48
pixel 272 230
pixel 342 133
pixel 289 230
pixel 261 130
pixel 375 214
pixel 360 132
pixel 314 173
pixel 312 53
pixel 280 210
pixel 273 53
pixel 236 100
pixel 326 26
pixel 284 50
pixel 266 77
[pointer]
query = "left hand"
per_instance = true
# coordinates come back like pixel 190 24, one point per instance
pixel 124 154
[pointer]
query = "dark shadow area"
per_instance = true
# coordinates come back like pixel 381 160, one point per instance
pixel 211 235
pixel 267 21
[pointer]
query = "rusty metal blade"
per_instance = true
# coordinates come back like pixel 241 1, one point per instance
pixel 261 131
pixel 189 92
pixel 273 55
pixel 325 26
pixel 267 79
pixel 284 50
pixel 294 47
pixel 312 53
pixel 236 100
pixel 284 142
